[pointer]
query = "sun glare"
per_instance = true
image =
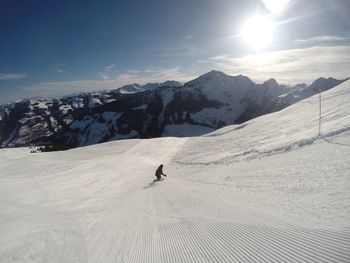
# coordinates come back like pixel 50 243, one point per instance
pixel 276 6
pixel 258 31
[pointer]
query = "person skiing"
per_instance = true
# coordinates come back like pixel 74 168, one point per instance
pixel 159 172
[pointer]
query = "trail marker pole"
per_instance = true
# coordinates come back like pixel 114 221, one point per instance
pixel 319 124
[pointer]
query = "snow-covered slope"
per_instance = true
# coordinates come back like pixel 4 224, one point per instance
pixel 202 105
pixel 292 127
pixel 268 190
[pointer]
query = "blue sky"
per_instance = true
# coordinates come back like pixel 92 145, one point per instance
pixel 50 48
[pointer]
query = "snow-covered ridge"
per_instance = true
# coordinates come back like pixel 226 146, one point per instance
pixel 209 102
pixel 134 88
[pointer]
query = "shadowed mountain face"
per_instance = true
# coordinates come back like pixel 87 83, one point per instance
pixel 211 101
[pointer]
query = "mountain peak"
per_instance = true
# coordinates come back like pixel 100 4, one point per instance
pixel 214 74
pixel 171 83
pixel 271 83
pixel 323 84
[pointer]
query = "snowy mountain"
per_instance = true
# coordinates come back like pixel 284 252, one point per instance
pixel 133 88
pixel 302 91
pixel 268 190
pixel 25 121
pixel 286 97
pixel 202 105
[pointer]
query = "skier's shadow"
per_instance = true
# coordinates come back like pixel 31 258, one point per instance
pixel 152 183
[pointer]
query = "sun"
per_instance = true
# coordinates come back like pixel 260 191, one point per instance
pixel 258 31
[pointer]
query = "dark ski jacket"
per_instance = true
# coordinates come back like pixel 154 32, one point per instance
pixel 159 171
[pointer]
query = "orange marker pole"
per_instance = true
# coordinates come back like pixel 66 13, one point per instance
pixel 319 126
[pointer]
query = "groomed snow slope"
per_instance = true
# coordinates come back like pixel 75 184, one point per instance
pixel 281 131
pixel 268 190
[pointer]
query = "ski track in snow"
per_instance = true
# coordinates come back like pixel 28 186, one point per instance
pixel 171 221
pixel 100 204
pixel 164 232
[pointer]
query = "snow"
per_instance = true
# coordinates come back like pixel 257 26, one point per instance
pixel 98 130
pixel 106 97
pixel 224 88
pixel 43 105
pixel 78 103
pixel 54 123
pixel 268 190
pixel 68 119
pixel 130 89
pixel 65 108
pixel 94 100
pixel 292 127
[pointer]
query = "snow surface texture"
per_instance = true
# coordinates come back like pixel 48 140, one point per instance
pixel 268 190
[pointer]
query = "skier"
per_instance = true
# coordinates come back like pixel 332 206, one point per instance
pixel 159 172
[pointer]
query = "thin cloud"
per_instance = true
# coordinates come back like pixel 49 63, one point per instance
pixel 60 68
pixel 106 73
pixel 133 71
pixel 12 76
pixel 220 57
pixel 321 39
pixel 186 49
pixel 109 68
pixel 202 61
pixel 104 76
pixel 150 70
pixel 289 66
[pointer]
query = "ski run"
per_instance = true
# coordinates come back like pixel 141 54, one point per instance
pixel 269 190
